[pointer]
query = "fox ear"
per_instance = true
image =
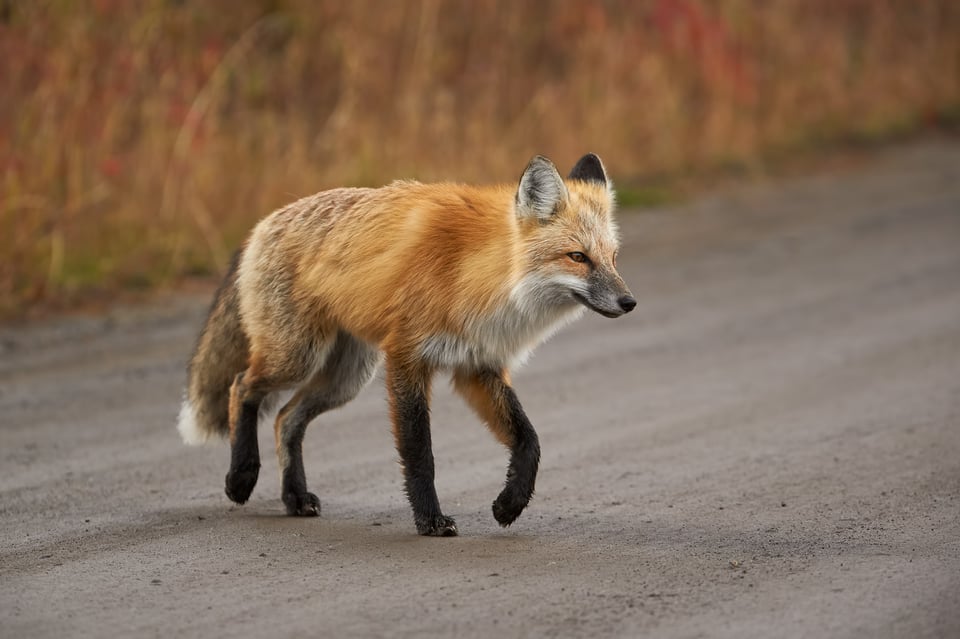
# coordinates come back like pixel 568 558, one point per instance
pixel 589 169
pixel 541 189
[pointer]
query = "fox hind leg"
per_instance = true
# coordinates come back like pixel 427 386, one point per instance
pixel 284 369
pixel 244 450
pixel 347 369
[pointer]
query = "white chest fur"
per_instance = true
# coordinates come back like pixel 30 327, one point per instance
pixel 535 309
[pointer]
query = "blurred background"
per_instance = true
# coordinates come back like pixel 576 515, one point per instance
pixel 139 141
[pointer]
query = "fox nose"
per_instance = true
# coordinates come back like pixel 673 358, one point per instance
pixel 627 303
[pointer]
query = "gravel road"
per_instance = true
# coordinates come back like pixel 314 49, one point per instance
pixel 769 446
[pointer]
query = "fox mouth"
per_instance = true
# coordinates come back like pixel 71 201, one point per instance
pixel 583 300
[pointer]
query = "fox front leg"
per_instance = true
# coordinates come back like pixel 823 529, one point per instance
pixel 490 395
pixel 409 391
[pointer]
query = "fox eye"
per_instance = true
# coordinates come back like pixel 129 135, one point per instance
pixel 578 257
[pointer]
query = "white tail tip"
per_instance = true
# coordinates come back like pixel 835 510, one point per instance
pixel 187 425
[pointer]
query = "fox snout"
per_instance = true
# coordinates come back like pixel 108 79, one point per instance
pixel 607 294
pixel 622 306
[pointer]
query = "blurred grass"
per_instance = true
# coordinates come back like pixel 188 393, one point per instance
pixel 139 141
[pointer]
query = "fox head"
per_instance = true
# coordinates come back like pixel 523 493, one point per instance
pixel 571 238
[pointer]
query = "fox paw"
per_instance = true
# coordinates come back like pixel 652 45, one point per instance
pixel 439 526
pixel 508 506
pixel 302 505
pixel 240 482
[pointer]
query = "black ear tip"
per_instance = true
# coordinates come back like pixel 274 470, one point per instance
pixel 591 159
pixel 589 168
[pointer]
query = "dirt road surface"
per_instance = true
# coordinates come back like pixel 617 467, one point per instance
pixel 769 446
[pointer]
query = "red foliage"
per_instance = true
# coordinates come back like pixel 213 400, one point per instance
pixel 691 32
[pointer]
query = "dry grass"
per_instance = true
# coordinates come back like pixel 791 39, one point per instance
pixel 140 140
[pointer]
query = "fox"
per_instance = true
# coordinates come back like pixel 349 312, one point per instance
pixel 420 278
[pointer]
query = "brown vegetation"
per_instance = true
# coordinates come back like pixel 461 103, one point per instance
pixel 140 140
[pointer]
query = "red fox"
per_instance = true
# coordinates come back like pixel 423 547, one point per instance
pixel 427 277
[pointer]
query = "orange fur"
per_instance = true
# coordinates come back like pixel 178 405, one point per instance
pixel 410 260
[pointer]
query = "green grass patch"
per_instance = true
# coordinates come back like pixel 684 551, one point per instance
pixel 645 197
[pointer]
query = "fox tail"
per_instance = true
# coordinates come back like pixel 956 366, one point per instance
pixel 221 353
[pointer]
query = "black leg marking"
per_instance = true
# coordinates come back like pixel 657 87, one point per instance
pixel 524 461
pixel 244 454
pixel 292 426
pixel 297 499
pixel 411 414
